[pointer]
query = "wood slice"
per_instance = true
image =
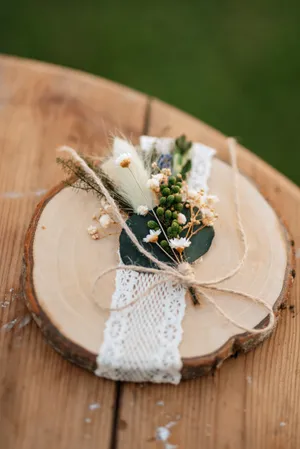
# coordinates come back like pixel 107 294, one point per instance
pixel 62 262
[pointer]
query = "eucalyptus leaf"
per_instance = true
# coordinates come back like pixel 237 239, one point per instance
pixel 130 255
pixel 201 242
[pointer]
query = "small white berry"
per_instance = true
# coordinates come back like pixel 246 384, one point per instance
pixel 181 218
pixel 105 221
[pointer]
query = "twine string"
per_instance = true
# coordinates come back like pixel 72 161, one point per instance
pixel 233 160
pixel 183 274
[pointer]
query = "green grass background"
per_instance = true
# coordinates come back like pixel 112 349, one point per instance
pixel 234 64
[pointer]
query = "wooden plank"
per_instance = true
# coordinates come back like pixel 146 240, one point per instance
pixel 253 401
pixel 46 402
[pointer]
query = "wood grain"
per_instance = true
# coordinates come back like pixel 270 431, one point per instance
pixel 253 401
pixel 44 401
pixel 74 325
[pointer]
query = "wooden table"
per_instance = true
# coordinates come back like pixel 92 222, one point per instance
pixel 45 402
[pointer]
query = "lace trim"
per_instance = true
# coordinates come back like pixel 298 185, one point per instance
pixel 201 166
pixel 141 342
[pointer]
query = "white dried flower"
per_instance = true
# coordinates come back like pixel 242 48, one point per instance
pixel 212 199
pixel 206 212
pixel 153 184
pixel 192 194
pixel 208 221
pixel 152 237
pixel 181 218
pixel 208 216
pixel 107 207
pixel 195 198
pixel 180 244
pixel 105 221
pixel 142 210
pixel 124 160
pixel 93 232
pixel 200 202
pixel 159 177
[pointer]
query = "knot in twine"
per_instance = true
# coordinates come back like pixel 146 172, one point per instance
pixel 187 272
pixel 183 273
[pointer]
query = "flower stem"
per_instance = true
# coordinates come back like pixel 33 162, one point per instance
pixel 170 257
pixel 152 210
pixel 197 230
pixel 194 296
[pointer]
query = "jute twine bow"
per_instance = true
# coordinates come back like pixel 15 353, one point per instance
pixel 183 273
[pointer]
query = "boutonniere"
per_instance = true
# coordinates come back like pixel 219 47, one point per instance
pixel 170 220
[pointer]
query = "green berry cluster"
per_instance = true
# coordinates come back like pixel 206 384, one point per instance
pixel 153 225
pixel 170 204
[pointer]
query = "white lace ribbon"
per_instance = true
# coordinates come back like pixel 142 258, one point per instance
pixel 141 342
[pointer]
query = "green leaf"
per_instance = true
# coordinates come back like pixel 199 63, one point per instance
pixel 201 242
pixel 182 145
pixel 181 156
pixel 130 255
pixel 186 168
